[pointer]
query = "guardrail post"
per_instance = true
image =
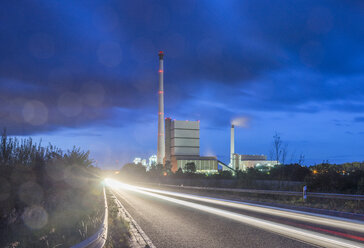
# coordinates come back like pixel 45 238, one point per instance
pixel 304 193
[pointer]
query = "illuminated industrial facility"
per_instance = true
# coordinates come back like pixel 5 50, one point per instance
pixel 182 142
pixel 152 161
pixel 179 141
pixel 243 162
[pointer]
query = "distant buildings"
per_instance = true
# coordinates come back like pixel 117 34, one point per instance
pixel 137 161
pixel 152 161
pixel 243 162
pixel 178 143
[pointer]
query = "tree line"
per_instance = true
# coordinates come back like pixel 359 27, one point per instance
pixel 324 177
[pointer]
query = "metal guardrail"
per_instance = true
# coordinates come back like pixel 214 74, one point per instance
pixel 336 196
pixel 97 240
pixel 274 192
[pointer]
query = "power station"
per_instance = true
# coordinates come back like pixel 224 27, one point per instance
pixel 243 162
pixel 183 146
pixel 179 142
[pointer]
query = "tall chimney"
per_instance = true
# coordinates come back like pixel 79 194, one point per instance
pixel 161 144
pixel 232 147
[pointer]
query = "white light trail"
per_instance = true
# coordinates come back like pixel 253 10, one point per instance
pixel 352 225
pixel 284 230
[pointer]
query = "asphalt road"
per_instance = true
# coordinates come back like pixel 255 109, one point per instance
pixel 175 221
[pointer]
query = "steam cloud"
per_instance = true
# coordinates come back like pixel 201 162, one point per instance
pixel 240 122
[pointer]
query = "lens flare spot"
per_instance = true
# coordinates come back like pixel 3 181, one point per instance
pixel 35 113
pixel 35 217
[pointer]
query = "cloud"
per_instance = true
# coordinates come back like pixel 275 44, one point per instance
pixel 323 36
pixel 77 63
pixel 240 122
pixel 27 107
pixel 359 119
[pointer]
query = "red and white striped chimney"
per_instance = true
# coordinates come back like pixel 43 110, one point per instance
pixel 161 145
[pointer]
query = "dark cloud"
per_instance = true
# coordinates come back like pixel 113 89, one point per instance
pixel 324 35
pixel 26 107
pixel 359 119
pixel 76 63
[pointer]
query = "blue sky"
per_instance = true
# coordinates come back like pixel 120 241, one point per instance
pixel 84 73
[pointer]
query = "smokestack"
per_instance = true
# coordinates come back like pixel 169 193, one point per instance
pixel 161 144
pixel 232 147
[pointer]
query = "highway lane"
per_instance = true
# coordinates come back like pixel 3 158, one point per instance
pixel 343 224
pixel 175 222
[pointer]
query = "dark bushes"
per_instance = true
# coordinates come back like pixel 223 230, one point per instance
pixel 47 197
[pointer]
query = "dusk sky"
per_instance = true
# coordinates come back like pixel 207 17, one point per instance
pixel 85 73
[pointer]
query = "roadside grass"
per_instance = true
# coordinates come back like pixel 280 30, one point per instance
pixel 64 217
pixel 350 206
pixel 48 198
pixel 342 205
pixel 118 229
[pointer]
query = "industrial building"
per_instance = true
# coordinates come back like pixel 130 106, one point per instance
pixel 204 164
pixel 137 161
pixel 183 137
pixel 152 161
pixel 182 144
pixel 179 141
pixel 243 162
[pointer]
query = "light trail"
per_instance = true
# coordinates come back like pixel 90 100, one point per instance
pixel 281 229
pixel 351 225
